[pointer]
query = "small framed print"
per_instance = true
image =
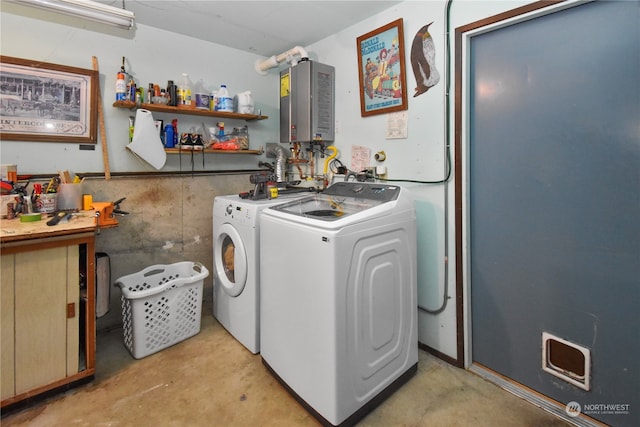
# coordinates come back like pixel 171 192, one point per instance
pixel 381 70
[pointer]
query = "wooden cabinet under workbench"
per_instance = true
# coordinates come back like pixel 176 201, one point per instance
pixel 47 300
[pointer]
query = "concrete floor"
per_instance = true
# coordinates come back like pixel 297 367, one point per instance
pixel 211 380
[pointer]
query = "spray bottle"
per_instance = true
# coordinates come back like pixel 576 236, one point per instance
pixel 121 84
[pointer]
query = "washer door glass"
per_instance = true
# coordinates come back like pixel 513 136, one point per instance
pixel 230 259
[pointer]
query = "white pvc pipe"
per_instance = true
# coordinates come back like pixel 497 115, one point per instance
pixel 272 62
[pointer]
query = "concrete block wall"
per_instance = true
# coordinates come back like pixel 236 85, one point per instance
pixel 169 220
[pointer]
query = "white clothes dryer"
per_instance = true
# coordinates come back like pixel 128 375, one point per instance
pixel 339 297
pixel 236 264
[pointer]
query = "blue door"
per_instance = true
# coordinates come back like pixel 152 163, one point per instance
pixel 554 204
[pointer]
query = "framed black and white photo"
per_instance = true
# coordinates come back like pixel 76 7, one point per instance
pixel 47 102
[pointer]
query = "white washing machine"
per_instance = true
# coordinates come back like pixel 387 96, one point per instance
pixel 339 297
pixel 236 264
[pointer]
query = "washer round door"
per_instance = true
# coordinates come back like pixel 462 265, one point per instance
pixel 230 260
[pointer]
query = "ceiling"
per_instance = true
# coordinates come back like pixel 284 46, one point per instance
pixel 265 28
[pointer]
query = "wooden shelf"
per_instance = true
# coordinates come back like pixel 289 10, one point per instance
pixel 130 105
pixel 179 151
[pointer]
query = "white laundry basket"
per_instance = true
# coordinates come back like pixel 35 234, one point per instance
pixel 161 306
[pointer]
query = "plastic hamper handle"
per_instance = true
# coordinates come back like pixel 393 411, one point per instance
pixel 124 282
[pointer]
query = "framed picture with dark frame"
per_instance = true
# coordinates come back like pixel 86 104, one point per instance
pixel 47 102
pixel 381 70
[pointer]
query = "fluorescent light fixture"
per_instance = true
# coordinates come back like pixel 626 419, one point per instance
pixel 86 9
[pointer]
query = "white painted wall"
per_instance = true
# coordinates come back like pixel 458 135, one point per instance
pixel 152 56
pixel 421 155
pixel 156 56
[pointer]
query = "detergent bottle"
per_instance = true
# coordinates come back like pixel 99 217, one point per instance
pixel 225 102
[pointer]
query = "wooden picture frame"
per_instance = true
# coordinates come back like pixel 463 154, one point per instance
pixel 381 70
pixel 47 102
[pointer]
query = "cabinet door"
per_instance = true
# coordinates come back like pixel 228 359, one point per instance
pixel 73 319
pixel 7 384
pixel 42 280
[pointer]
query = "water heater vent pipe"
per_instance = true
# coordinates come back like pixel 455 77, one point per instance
pixel 290 56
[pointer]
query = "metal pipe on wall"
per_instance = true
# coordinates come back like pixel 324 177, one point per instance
pixel 263 65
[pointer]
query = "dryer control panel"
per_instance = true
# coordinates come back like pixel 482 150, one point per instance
pixel 236 213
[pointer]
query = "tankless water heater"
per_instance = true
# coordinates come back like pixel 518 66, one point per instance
pixel 307 102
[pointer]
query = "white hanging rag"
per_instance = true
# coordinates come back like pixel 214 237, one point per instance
pixel 146 142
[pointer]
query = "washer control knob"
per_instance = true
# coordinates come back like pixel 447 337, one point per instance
pixel 358 188
pixel 229 209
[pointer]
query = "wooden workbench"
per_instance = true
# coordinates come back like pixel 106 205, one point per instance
pixel 12 230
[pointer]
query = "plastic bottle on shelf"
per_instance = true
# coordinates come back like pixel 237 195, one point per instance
pixel 225 102
pixel 213 101
pixel 168 136
pixel 121 85
pixel 172 93
pixel 184 92
pixel 200 95
pixel 131 90
pixel 174 123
